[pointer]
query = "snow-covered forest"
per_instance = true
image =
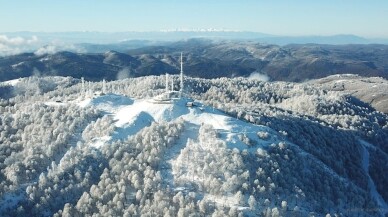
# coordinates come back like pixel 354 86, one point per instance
pixel 247 148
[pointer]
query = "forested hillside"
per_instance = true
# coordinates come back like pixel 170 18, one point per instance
pixel 246 148
pixel 373 91
pixel 203 58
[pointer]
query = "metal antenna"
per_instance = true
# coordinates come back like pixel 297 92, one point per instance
pixel 90 89
pixel 83 85
pixel 172 84
pixel 166 82
pixel 181 77
pixel 103 86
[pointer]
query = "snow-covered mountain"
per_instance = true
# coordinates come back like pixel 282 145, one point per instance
pixel 373 90
pixel 229 147
pixel 205 59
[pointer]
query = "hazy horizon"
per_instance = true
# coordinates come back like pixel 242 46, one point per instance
pixel 205 30
pixel 45 24
pixel 281 18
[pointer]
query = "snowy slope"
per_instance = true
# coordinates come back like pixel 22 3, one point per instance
pixel 179 167
pixel 11 82
pixel 372 90
pixel 131 116
pixel 296 152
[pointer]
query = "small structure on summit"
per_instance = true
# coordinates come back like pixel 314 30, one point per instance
pixel 190 104
pixel 170 94
pixel 87 90
pixel 103 90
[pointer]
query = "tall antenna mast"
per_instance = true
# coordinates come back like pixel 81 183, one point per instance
pixel 82 86
pixel 103 86
pixel 90 90
pixel 181 77
pixel 166 82
pixel 172 83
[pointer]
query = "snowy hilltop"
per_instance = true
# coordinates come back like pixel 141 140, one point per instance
pixel 225 147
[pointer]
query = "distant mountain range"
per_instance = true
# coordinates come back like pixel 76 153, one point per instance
pixel 184 34
pixel 202 58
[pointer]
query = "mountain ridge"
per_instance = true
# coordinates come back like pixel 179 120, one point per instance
pixel 207 59
pixel 179 34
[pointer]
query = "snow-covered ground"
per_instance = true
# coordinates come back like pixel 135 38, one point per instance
pixel 11 82
pixel 109 103
pixel 206 155
pixel 132 115
pixel 372 90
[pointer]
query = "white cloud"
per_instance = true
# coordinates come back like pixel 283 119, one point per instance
pixel 15 41
pixel 15 45
pixel 32 40
pixel 11 41
pixel 56 47
pixel 49 49
pixel 259 76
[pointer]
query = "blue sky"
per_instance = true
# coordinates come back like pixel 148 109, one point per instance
pixel 368 18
